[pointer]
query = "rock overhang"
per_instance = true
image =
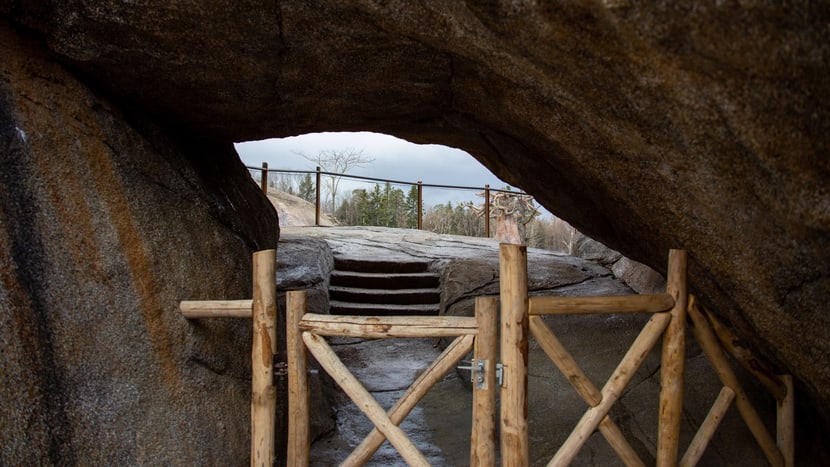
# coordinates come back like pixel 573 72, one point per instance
pixel 649 127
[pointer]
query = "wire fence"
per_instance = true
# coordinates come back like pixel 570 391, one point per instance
pixel 309 185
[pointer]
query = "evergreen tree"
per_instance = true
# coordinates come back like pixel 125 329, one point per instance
pixel 306 190
pixel 411 208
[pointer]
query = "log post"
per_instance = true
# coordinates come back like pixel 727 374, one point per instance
pixel 317 199
pixel 785 422
pixel 299 441
pixel 673 363
pixel 483 438
pixel 514 329
pixel 263 393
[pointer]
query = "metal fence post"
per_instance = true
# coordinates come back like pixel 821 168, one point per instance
pixel 317 202
pixel 264 178
pixel 487 211
pixel 420 205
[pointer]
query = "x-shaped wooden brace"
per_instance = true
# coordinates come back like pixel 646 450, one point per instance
pixel 600 402
pixel 386 425
pixel 732 390
pixel 468 332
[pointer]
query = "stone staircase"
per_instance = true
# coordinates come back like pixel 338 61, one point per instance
pixel 370 287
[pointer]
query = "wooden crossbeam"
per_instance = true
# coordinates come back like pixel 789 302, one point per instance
pixel 560 356
pixel 192 309
pixel 553 305
pixel 745 357
pixel 612 390
pixel 382 327
pixel 446 361
pixel 363 399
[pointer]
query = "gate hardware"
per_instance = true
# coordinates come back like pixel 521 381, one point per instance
pixel 477 372
pixel 281 369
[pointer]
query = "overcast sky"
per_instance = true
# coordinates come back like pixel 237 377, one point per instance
pixel 394 159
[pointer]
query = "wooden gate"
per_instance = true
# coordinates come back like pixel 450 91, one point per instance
pixel 308 330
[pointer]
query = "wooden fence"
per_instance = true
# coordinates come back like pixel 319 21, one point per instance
pixel 521 316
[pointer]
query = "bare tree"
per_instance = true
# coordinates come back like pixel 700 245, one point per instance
pixel 337 161
pixel 509 210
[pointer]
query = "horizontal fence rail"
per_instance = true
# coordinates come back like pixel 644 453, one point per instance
pixel 381 327
pixel 553 305
pixel 264 170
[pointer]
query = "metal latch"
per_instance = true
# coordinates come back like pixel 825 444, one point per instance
pixel 477 372
pixel 281 369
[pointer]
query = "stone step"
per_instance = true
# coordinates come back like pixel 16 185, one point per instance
pixel 421 296
pixel 379 266
pixel 380 280
pixel 367 309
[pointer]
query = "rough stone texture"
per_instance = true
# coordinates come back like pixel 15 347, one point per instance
pixel 638 276
pixel 646 125
pixel 104 226
pixel 590 249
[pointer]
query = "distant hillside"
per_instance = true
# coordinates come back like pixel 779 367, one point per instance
pixel 295 211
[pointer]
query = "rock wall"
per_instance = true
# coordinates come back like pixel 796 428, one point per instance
pixel 106 222
pixel 646 125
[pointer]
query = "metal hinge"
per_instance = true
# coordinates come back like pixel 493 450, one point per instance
pixel 477 372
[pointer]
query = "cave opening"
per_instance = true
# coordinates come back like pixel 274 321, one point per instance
pixel 382 175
